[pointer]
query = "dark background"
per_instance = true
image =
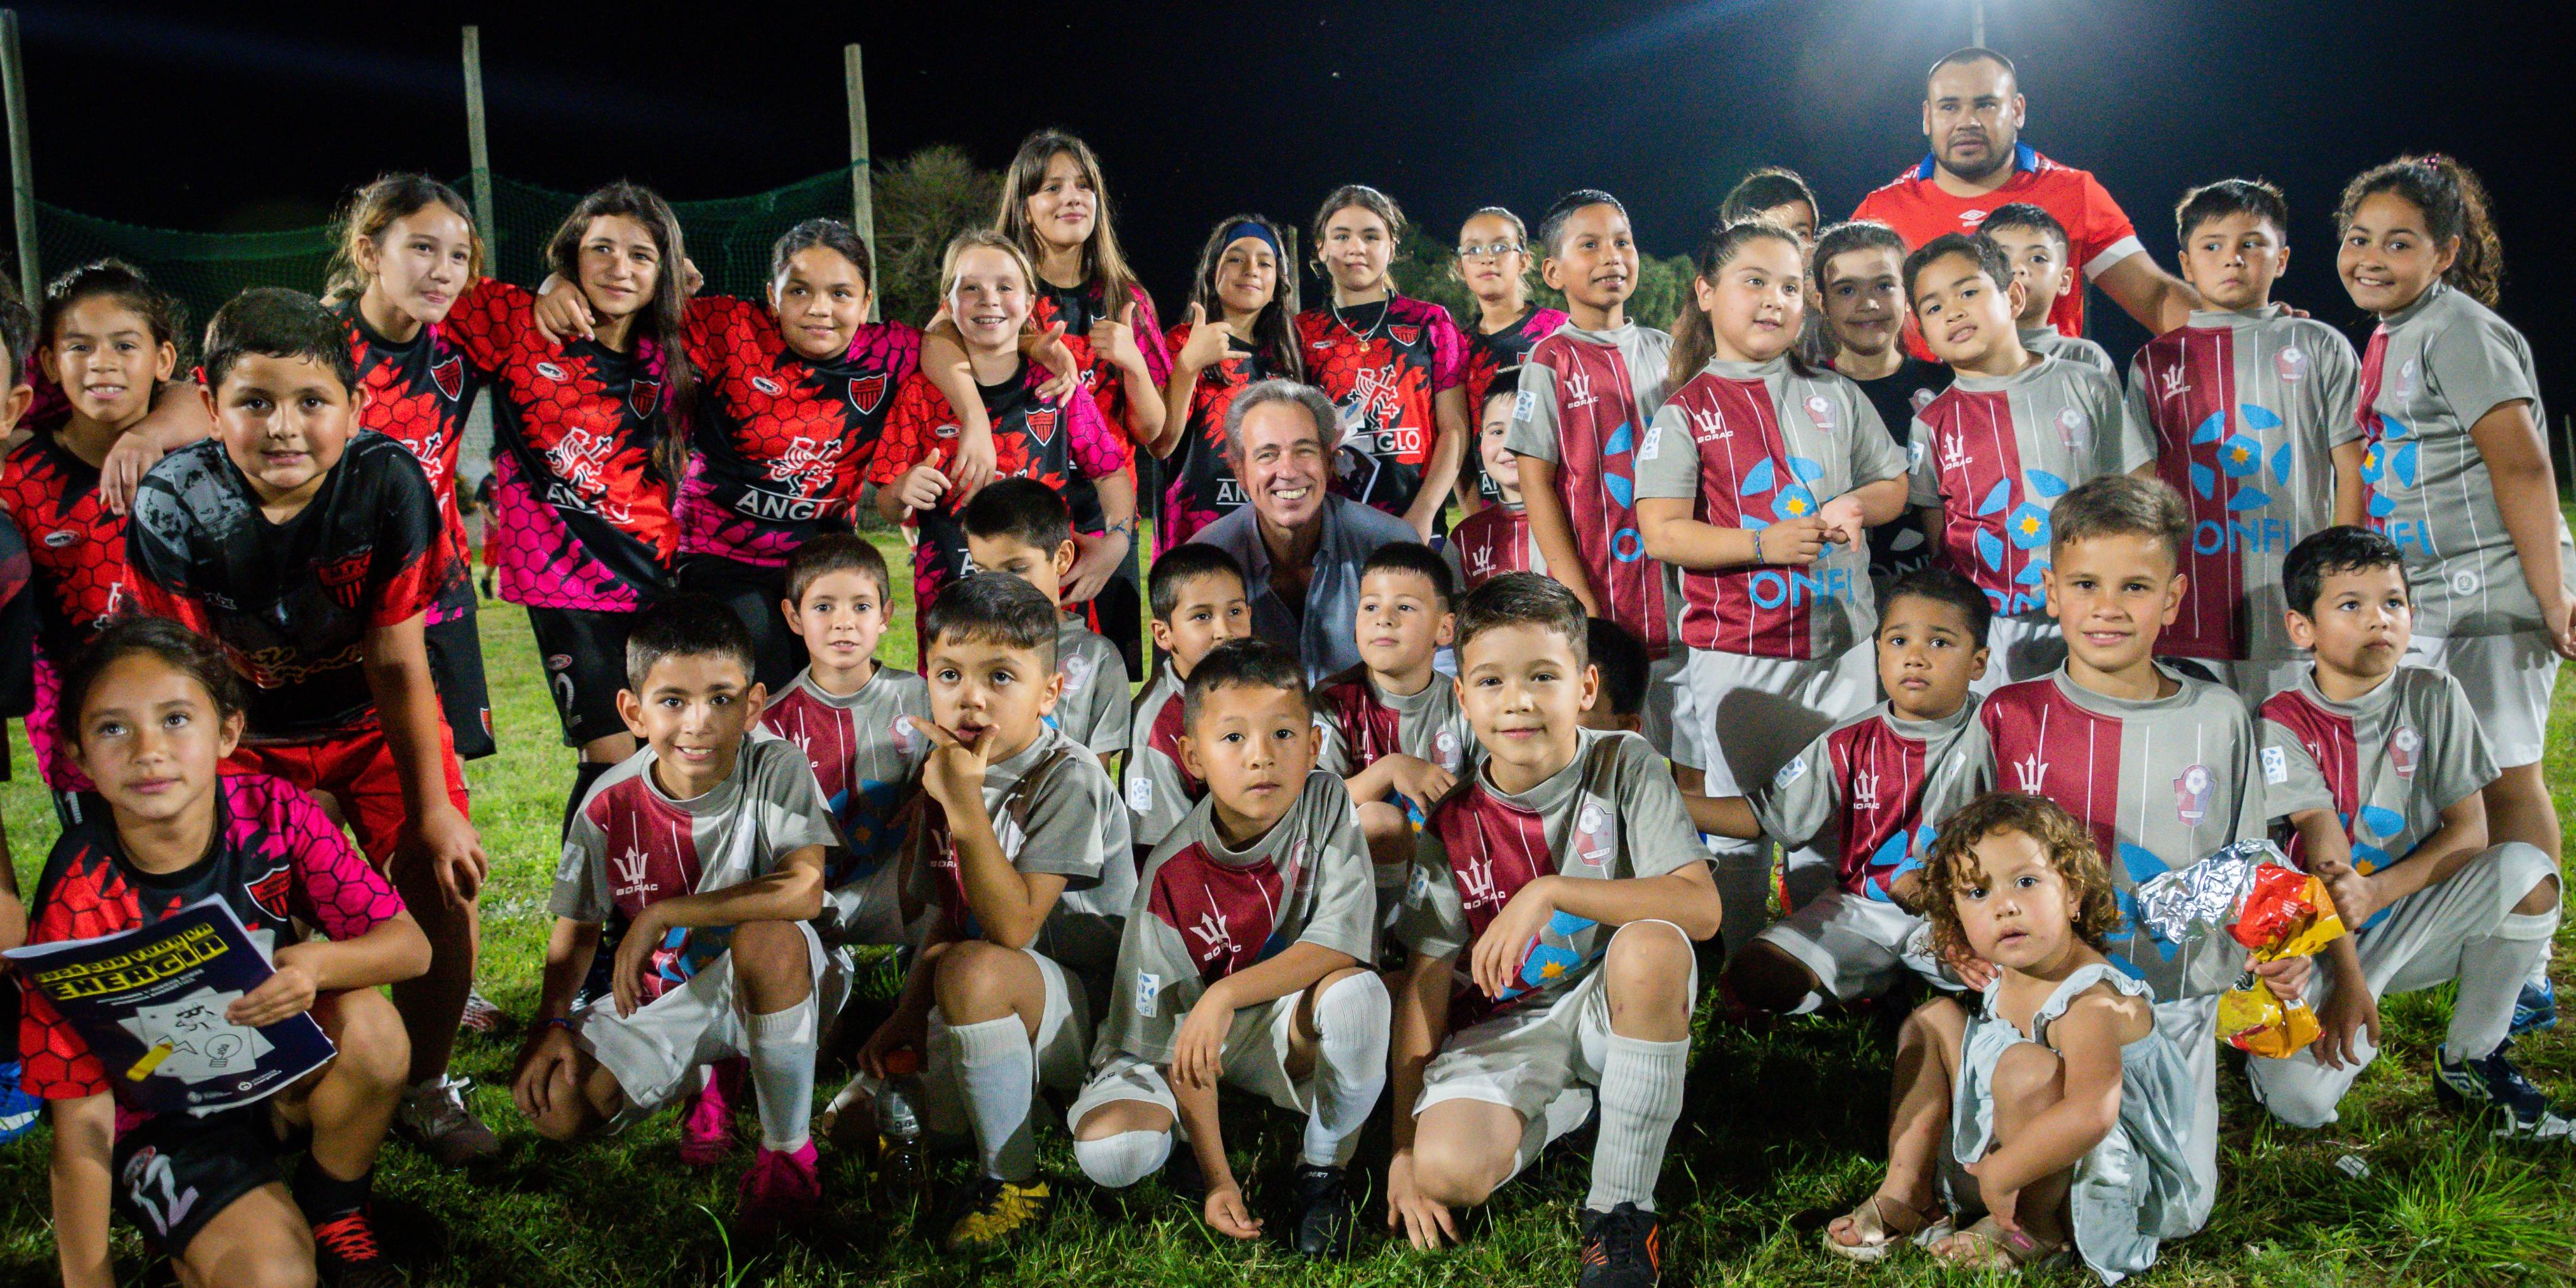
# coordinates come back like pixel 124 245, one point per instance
pixel 180 117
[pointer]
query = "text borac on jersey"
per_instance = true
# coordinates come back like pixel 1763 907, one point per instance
pixel 1226 915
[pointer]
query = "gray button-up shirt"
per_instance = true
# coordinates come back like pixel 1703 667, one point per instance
pixel 1327 640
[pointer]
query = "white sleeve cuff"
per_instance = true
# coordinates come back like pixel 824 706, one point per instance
pixel 2113 254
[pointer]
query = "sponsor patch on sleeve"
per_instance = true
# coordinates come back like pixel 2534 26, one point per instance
pixel 2276 766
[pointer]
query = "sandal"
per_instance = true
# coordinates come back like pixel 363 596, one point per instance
pixel 1878 1237
pixel 1997 1248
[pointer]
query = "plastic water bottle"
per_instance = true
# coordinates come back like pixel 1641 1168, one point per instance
pixel 903 1174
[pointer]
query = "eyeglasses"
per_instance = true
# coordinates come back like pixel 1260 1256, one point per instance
pixel 1490 250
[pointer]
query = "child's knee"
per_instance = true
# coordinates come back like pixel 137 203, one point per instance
pixel 2294 1094
pixel 1766 977
pixel 1353 1003
pixel 1456 1171
pixel 975 982
pixel 772 956
pixel 374 1049
pixel 1648 962
pixel 2537 875
pixel 2028 1073
pixel 1117 1161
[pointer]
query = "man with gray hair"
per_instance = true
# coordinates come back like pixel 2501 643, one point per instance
pixel 1300 546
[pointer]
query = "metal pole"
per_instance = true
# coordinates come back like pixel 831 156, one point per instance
pixel 2567 436
pixel 478 149
pixel 22 167
pixel 1977 23
pixel 863 215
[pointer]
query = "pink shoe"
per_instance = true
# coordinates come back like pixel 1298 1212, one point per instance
pixel 706 1133
pixel 780 1191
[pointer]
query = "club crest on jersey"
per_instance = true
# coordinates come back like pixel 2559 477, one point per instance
pixel 1596 833
pixel 2404 748
pixel 1077 672
pixel 550 371
pixel 1446 745
pixel 2191 795
pixel 901 731
pixel 1923 398
pixel 2291 363
pixel 2030 773
pixel 2406 378
pixel 346 580
pixel 1408 336
pixel 2071 427
pixel 866 392
pixel 1820 409
pixel 644 397
pixel 1864 791
pixel 2171 383
pixel 1041 422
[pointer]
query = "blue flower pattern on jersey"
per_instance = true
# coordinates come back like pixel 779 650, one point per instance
pixel 1623 489
pixel 2142 865
pixel 867 823
pixel 1897 855
pixel 685 951
pixel 2391 458
pixel 1548 963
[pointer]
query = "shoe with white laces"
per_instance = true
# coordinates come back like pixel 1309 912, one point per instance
pixel 433 1117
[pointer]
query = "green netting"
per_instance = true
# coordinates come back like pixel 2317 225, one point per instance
pixel 728 237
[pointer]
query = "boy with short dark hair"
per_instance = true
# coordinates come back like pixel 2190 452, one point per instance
pixel 1022 527
pixel 2013 433
pixel 1246 960
pixel 1872 789
pixel 2159 764
pixel 2377 768
pixel 1625 672
pixel 711 841
pixel 1198 600
pixel 2252 413
pixel 1392 727
pixel 1564 876
pixel 1496 539
pixel 1022 855
pixel 312 554
pixel 2035 244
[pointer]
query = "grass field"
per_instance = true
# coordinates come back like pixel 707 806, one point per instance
pixel 1782 1131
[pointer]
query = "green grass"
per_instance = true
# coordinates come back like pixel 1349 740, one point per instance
pixel 1782 1132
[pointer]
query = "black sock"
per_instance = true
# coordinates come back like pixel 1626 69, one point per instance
pixel 323 1196
pixel 584 776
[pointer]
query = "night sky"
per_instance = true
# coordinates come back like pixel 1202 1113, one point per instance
pixel 184 117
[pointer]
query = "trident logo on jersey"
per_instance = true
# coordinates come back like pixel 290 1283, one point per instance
pixel 633 869
pixel 1216 939
pixel 802 455
pixel 2191 795
pixel 1864 791
pixel 1954 451
pixel 1476 885
pixel 2031 773
pixel 1708 425
pixel 1578 388
pixel 2172 382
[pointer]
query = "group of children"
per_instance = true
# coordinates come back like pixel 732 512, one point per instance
pixel 1980 643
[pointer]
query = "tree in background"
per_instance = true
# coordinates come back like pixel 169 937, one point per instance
pixel 1424 269
pixel 920 203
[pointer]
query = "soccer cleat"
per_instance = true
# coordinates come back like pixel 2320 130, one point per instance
pixel 2535 1008
pixel 1622 1248
pixel 1324 1216
pixel 482 1015
pixel 2493 1082
pixel 433 1117
pixel 994 1211
pixel 781 1190
pixel 346 1253
pixel 706 1131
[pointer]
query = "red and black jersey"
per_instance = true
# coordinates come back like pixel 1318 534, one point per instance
pixel 419 393
pixel 781 444
pixel 1081 306
pixel 291 603
pixel 1384 367
pixel 1199 486
pixel 1489 354
pixel 581 515
pixel 276 860
pixel 1056 444
pixel 75 544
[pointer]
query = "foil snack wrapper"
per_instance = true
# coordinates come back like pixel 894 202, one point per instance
pixel 2253 894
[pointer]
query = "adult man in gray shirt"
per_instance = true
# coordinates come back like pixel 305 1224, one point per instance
pixel 1301 547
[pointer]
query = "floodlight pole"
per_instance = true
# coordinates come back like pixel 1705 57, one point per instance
pixel 22 167
pixel 863 215
pixel 1977 23
pixel 478 147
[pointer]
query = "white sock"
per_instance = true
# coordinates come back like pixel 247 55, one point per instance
pixel 2540 969
pixel 1352 1021
pixel 1000 1073
pixel 1119 1161
pixel 1641 1098
pixel 2491 974
pixel 782 1072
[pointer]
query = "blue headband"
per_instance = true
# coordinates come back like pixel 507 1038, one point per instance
pixel 1260 232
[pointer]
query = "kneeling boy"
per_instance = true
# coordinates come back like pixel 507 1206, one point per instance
pixel 710 842
pixel 1566 872
pixel 1244 959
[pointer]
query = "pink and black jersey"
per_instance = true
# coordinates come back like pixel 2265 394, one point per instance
pixel 1586 401
pixel 1750 445
pixel 1492 541
pixel 1611 814
pixel 276 860
pixel 2387 763
pixel 2162 783
pixel 291 603
pixel 2432 371
pixel 2245 411
pixel 1993 454
pixel 1054 443
pixel 1078 308
pixel 1384 365
pixel 581 514
pixel 781 443
pixel 1490 354
pixel 419 393
pixel 1872 791
pixel 1200 487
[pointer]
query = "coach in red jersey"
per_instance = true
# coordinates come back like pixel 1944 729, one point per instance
pixel 1972 115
